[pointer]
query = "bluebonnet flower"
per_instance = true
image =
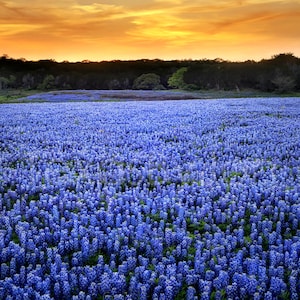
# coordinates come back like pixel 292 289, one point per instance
pixel 180 198
pixel 133 287
pixel 131 263
pixel 142 292
pixel 294 296
pixel 232 290
pixel 90 273
pixel 252 266
pixel 4 270
pixel 85 248
pixel 268 296
pixel 293 284
pixel 121 284
pixel 105 283
pixel 168 236
pixel 209 275
pixel 63 274
pixel 191 293
pixel 123 268
pixel 93 290
pixel 81 295
pixel 199 267
pixel 162 296
pixel 252 285
pixel 243 292
pixel 45 297
pixel 57 290
pixel 66 289
pixel 205 296
pixel 110 245
pixel 146 276
pixel 83 282
pixel 16 280
pixel 169 294
pixel 156 292
pixel 277 286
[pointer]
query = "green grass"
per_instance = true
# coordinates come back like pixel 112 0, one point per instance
pixel 192 227
pixel 223 226
pixel 93 260
pixel 15 238
pixel 233 175
pixel 33 197
pixel 13 96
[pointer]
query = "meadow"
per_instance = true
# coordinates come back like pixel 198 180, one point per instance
pixel 187 199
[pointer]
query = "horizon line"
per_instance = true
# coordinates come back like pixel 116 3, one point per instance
pixel 217 59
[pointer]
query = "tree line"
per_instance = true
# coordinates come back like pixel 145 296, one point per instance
pixel 281 73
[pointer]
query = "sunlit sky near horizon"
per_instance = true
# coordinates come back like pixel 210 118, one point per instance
pixel 77 30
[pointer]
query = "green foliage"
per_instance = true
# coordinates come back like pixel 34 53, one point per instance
pixel 169 250
pixel 284 84
pixel 182 293
pixel 155 217
pixel 48 83
pixel 233 175
pixel 247 240
pixel 15 238
pixel 7 82
pixel 192 227
pixel 33 197
pixel 223 226
pixel 285 295
pixel 265 243
pixel 192 251
pixel 93 260
pixel 215 259
pixel 149 81
pixel 4 82
pixel 221 78
pixel 28 81
pixel 177 79
pixel 213 294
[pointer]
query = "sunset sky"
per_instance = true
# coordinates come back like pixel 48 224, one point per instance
pixel 77 30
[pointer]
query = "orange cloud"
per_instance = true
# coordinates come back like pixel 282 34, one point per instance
pixel 83 29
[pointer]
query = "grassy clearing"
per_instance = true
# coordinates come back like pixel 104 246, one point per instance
pixel 19 96
pixel 13 96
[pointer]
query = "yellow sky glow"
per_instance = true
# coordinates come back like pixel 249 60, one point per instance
pixel 76 30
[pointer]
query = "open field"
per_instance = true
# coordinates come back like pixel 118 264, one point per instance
pixel 185 199
pixel 12 96
pixel 21 96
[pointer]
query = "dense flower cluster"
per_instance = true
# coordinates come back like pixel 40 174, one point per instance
pixel 150 200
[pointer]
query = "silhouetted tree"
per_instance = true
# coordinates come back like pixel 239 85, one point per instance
pixel 48 83
pixel 284 84
pixel 281 73
pixel 149 81
pixel 4 82
pixel 28 81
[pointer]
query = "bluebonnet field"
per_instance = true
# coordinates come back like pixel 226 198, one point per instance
pixel 150 200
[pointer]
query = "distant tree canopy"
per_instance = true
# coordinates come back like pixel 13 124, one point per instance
pixel 4 82
pixel 149 81
pixel 176 80
pixel 48 83
pixel 7 82
pixel 279 74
